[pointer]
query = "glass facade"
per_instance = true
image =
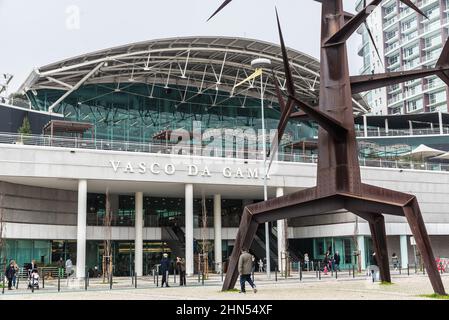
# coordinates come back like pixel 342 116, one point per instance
pixel 138 112
pixel 158 211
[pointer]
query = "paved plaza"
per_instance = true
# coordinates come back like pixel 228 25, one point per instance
pixel 346 287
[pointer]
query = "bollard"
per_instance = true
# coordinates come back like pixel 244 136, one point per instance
pixel 154 276
pixel 17 282
pixel 372 275
pixel 221 271
pixel 319 270
pixel 43 281
pixel 3 281
pixel 312 266
pixel 135 279
pixel 400 269
pixel 349 271
pixel 85 280
pixel 110 282
pixel 199 276
pixel 353 271
pixel 300 274
pixel 59 282
pixel 202 281
pixel 157 279
pixel 408 269
pixel 132 278
pixel 336 274
pixel 276 273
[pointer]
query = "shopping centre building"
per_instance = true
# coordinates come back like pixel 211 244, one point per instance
pixel 158 134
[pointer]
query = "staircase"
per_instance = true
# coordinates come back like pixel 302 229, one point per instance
pixel 258 246
pixel 175 240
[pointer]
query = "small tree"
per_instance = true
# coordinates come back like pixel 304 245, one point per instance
pixel 25 129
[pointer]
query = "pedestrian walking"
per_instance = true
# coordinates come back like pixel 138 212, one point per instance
pixel 395 261
pixel 245 267
pixel 260 265
pixel 61 265
pixel 306 260
pixel 165 266
pixel 337 261
pixel 16 273
pixel 10 272
pixel 181 266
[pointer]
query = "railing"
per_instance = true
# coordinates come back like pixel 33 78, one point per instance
pixel 47 141
pixel 403 132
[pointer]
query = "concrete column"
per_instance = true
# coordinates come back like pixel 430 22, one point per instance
pixel 281 235
pixel 365 126
pixel 404 251
pixel 81 230
pixel 189 228
pixel 138 244
pixel 361 242
pixel 217 232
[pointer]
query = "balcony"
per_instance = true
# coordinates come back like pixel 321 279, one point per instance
pixel 56 142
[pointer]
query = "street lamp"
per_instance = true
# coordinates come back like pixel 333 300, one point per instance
pixel 258 64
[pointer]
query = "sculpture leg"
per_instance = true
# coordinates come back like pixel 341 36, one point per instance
pixel 416 223
pixel 377 227
pixel 379 237
pixel 245 236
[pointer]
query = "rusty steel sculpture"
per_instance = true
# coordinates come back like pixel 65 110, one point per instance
pixel 339 185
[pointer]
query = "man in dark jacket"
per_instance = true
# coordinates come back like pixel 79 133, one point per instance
pixel 245 268
pixel 337 261
pixel 10 272
pixel 165 266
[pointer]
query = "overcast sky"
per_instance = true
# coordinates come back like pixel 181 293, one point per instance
pixel 36 33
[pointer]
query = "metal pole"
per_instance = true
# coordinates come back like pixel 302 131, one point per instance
pixel 132 278
pixel 43 280
pixel 400 268
pixel 59 282
pixel 336 274
pixel 85 280
pixel 202 273
pixel 265 192
pixel 110 283
pixel 276 274
pixel 408 269
pixel 157 279
pixel 174 274
pixel 154 276
pixel 353 271
pixel 17 282
pixel 135 279
pixel 300 272
pixel 3 280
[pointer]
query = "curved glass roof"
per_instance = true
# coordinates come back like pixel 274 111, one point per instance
pixel 198 63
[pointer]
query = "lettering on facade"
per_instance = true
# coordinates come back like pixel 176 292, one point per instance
pixel 191 170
